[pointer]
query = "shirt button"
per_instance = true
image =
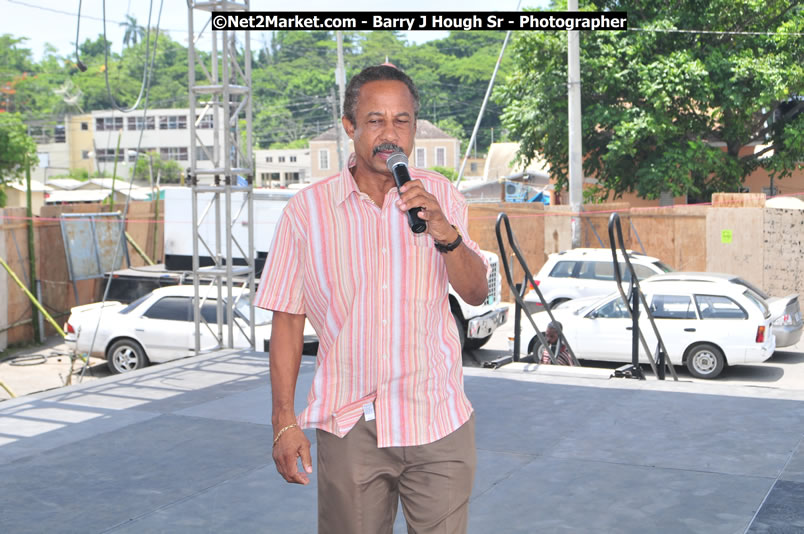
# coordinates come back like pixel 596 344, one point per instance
pixel 385 286
pixel 384 322
pixel 384 356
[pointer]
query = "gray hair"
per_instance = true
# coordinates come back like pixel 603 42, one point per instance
pixel 555 325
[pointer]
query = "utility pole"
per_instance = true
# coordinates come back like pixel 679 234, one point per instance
pixel 340 79
pixel 33 282
pixel 575 148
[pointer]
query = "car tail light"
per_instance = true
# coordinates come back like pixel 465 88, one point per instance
pixel 760 334
pixel 68 328
pixel 784 320
pixel 531 288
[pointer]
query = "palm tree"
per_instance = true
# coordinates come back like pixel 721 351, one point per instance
pixel 134 32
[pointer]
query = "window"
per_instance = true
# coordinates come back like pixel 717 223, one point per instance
pixel 293 159
pixel 281 159
pixel 173 122
pixel 140 123
pixel 563 269
pixel 672 307
pixel 473 167
pixel 201 155
pixel 127 309
pixel 108 123
pixel 171 309
pixel 441 156
pixel 85 154
pixel 421 160
pixel 614 309
pixel 174 152
pixel 104 155
pixel 323 159
pixel 85 126
pixel 269 159
pixel 719 307
pixel 207 122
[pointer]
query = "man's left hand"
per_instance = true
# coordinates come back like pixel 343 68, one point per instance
pixel 414 195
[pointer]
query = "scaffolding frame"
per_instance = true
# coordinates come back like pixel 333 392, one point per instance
pixel 225 92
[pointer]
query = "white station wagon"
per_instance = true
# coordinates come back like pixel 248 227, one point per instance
pixel 704 326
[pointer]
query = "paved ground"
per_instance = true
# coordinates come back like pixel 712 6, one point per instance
pixel 185 447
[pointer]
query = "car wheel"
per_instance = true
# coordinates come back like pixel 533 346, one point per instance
pixel 534 357
pixel 125 355
pixel 705 361
pixel 476 342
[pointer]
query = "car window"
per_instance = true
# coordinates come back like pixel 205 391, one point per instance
pixel 643 271
pixel 209 311
pixel 672 307
pixel 614 309
pixel 171 309
pixel 759 302
pixel 563 269
pixel 719 307
pixel 752 287
pixel 134 304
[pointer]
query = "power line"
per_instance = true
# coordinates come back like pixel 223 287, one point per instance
pixel 712 32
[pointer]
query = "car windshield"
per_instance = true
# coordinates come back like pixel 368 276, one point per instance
pixel 134 304
pixel 759 301
pixel 261 316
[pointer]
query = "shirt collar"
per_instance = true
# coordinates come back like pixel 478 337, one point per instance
pixel 346 182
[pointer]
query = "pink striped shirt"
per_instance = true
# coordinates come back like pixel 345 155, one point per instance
pixel 377 295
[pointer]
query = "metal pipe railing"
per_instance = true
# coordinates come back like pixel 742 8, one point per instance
pixel 520 292
pixel 636 297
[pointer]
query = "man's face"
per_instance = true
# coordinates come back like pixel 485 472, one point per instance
pixel 551 335
pixel 385 122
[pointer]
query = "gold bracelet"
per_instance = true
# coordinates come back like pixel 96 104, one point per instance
pixel 279 434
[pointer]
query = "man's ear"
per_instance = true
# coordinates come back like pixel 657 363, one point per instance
pixel 349 127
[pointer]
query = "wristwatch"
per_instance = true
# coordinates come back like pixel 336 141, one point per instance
pixel 449 247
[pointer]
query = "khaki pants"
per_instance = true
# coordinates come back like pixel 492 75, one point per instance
pixel 359 484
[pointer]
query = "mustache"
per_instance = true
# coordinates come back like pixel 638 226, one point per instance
pixel 386 146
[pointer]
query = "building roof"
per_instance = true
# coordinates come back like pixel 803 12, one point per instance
pixel 424 130
pixel 79 195
pixel 66 183
pixel 36 186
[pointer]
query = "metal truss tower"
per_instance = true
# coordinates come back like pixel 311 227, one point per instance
pixel 224 191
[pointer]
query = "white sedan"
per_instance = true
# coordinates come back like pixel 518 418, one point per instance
pixel 704 326
pixel 157 327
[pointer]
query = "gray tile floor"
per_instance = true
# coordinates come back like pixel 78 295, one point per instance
pixel 185 447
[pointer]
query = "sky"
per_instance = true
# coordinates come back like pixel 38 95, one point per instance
pixel 55 21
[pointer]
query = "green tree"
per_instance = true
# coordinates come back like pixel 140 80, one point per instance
pixel 665 110
pixel 17 150
pixel 165 171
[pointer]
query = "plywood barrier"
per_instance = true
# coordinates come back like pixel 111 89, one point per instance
pixel 58 294
pixel 734 239
pixel 738 200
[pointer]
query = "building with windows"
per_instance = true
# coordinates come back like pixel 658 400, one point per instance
pixel 433 148
pixel 282 167
pixel 165 131
pixel 62 145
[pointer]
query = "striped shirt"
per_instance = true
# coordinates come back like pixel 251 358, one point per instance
pixel 377 295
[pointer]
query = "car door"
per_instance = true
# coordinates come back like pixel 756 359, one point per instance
pixel 604 333
pixel 725 325
pixel 164 328
pixel 676 319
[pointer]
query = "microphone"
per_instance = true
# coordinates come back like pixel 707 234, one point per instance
pixel 397 163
